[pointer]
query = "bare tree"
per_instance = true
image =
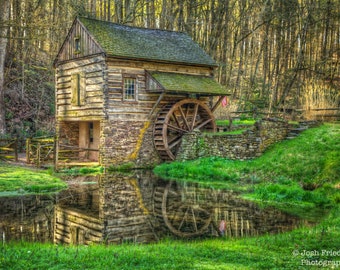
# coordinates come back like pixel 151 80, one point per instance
pixel 4 15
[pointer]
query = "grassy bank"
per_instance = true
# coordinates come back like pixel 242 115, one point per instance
pixel 296 175
pixel 17 180
pixel 298 249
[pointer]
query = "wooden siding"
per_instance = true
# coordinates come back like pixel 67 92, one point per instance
pixel 87 45
pixel 75 227
pixel 118 109
pixel 92 82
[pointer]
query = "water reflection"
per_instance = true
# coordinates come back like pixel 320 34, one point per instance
pixel 136 207
pixel 27 218
pixel 140 208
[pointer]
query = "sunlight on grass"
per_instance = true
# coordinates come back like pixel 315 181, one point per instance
pixel 16 180
pixel 305 170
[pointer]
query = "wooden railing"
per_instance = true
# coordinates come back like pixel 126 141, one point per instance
pixel 9 149
pixel 69 153
pixel 46 150
pixel 40 151
pixel 326 113
pixel 317 113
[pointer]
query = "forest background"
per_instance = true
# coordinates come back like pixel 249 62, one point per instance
pixel 272 54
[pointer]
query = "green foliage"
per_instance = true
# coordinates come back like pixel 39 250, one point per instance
pixel 74 171
pixel 280 251
pixel 302 171
pixel 291 193
pixel 16 180
pixel 121 168
pixel 234 132
pixel 246 121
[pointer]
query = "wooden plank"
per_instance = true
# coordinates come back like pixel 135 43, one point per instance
pixel 75 216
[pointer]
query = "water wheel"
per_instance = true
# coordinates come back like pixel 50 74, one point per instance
pixel 174 120
pixel 182 212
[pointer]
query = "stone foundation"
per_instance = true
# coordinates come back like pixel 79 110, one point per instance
pixel 125 142
pixel 250 144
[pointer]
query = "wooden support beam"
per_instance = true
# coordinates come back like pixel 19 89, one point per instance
pixel 156 104
pixel 217 104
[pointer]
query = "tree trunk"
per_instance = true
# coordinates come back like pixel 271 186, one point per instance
pixel 4 12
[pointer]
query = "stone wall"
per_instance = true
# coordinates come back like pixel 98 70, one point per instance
pixel 128 142
pixel 250 144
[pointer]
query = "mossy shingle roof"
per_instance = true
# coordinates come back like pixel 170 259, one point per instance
pixel 149 44
pixel 184 83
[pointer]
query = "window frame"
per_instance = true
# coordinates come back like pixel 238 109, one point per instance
pixel 135 90
pixel 77 45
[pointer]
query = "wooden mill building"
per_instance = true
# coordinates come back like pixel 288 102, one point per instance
pixel 127 94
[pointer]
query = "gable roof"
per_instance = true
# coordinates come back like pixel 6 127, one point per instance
pixel 186 83
pixel 148 44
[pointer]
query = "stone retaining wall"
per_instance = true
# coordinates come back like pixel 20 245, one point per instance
pixel 250 144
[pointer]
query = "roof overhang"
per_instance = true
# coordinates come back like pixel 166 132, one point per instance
pixel 186 84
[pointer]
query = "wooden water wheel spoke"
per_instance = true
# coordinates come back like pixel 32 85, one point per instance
pixel 183 217
pixel 178 129
pixel 194 116
pixel 203 124
pixel 175 142
pixel 173 117
pixel 194 219
pixel 173 121
pixel 184 117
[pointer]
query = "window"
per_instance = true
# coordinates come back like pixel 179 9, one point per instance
pixel 91 136
pixel 77 47
pixel 129 91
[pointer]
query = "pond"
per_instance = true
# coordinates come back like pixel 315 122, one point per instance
pixel 135 207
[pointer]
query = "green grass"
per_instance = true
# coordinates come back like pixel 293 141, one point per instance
pixel 16 180
pixel 304 171
pixel 233 132
pixel 248 122
pixel 280 251
pixel 75 171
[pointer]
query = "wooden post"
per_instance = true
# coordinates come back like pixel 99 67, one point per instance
pixel 28 145
pixel 55 153
pixel 16 149
pixel 38 155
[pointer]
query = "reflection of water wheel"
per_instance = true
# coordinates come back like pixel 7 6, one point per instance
pixel 174 120
pixel 182 213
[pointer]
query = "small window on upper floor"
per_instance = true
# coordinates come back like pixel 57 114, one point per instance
pixel 129 89
pixel 77 45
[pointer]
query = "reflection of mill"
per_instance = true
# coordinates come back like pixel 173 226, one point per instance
pixel 141 208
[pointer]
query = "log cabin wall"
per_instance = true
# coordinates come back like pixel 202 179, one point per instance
pixel 80 86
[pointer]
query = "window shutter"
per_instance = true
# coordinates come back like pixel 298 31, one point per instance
pixel 82 89
pixel 78 85
pixel 74 89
